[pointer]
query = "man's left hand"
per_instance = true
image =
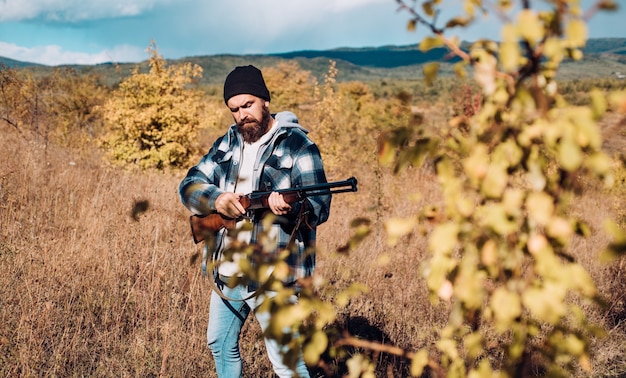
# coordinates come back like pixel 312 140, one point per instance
pixel 277 204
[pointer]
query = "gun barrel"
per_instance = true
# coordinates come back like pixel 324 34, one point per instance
pixel 321 189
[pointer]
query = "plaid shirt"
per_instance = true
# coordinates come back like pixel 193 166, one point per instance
pixel 290 159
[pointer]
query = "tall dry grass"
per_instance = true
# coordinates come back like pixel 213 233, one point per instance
pixel 86 289
pixel 99 278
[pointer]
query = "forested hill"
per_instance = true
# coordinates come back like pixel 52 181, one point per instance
pixel 603 58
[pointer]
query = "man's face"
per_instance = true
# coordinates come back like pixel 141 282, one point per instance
pixel 251 115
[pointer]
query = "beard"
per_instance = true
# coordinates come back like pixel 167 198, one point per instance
pixel 251 129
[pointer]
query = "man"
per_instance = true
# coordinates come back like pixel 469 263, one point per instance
pixel 259 152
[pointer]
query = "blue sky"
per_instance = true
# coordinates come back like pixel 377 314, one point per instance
pixel 57 32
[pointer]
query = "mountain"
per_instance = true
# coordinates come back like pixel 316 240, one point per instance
pixel 12 63
pixel 603 57
pixel 379 57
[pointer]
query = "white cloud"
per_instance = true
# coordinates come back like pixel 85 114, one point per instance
pixel 54 55
pixel 73 10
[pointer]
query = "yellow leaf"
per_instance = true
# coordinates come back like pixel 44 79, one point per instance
pixel 428 8
pixel 599 104
pixel 457 21
pixel 412 25
pixel 475 166
pixel 600 164
pixel 580 280
pixel 570 154
pixel 396 228
pixel 512 201
pixel 509 56
pixel 576 32
pixel 315 347
pixel 540 207
pixel 495 217
pixel 444 238
pixel 429 43
pixel 495 180
pixel 430 72
pixel 459 69
pixel 418 363
pixel 546 303
pixel 560 229
pixel 474 344
pixel 506 306
pixel 585 362
pixel 529 26
pixel 469 286
pixel 618 100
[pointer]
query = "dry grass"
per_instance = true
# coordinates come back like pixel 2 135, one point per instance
pixel 92 288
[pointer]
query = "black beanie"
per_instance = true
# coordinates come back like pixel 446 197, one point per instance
pixel 245 80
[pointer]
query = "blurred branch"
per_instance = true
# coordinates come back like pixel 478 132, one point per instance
pixel 435 30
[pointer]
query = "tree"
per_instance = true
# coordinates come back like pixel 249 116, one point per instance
pixel 154 117
pixel 499 251
pixel 499 246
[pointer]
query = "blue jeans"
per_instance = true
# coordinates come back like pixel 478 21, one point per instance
pixel 226 319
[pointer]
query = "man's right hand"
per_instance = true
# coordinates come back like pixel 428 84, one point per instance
pixel 229 206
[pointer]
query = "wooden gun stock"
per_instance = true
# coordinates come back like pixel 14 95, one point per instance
pixel 205 226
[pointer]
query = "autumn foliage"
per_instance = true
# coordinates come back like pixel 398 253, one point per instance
pixel 486 238
pixel 153 118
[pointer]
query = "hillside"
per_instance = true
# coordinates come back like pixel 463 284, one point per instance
pixel 603 57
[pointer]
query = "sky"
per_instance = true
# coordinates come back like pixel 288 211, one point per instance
pixel 56 32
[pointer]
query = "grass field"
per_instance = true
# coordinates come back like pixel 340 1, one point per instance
pixel 99 276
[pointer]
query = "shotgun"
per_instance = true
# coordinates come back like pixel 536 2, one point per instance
pixel 203 226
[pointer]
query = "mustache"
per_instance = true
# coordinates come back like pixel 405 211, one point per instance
pixel 247 120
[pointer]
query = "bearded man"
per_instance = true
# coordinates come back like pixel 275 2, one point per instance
pixel 266 152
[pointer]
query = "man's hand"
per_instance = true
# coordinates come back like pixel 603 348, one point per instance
pixel 229 206
pixel 277 204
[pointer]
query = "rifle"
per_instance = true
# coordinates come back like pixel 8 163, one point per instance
pixel 203 226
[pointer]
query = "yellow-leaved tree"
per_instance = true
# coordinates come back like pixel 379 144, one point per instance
pixel 153 118
pixel 500 254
